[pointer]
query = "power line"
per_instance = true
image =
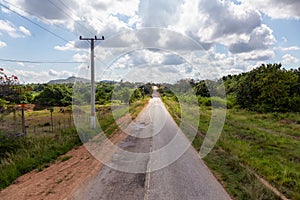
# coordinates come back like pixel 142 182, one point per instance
pixel 36 24
pixel 43 62
pixel 63 11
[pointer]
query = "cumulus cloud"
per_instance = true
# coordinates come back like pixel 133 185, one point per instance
pixel 80 57
pixel 291 48
pixel 24 31
pixel 9 28
pixel 29 76
pixel 2 44
pixel 55 73
pixel 289 59
pixel 198 25
pixel 157 13
pixel 73 46
pixel 215 20
pixel 276 9
pixel 260 38
pixel 172 59
pixel 258 55
pixel 82 18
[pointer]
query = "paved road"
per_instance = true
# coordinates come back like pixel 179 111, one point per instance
pixel 172 171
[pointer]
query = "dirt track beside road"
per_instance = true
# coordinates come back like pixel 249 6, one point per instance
pixel 59 180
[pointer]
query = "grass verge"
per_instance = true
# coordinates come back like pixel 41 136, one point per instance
pixel 264 144
pixel 36 151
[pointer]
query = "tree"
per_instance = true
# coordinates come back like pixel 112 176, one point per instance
pixel 267 88
pixel 202 89
pixel 9 87
pixel 54 95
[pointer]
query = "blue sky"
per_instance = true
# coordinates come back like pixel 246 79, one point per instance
pixel 232 36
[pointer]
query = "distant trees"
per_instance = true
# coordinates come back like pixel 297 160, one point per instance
pixel 104 92
pixel 268 88
pixel 54 95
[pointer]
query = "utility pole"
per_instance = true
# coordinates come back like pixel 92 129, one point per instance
pixel 93 110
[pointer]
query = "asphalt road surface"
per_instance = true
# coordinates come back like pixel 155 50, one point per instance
pixel 173 170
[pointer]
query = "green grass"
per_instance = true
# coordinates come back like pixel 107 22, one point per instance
pixel 266 144
pixel 35 152
pixel 107 119
pixel 65 158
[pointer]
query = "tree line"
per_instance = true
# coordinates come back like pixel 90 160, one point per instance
pixel 267 88
pixel 48 95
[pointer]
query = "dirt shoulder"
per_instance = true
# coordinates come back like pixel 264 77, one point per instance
pixel 60 179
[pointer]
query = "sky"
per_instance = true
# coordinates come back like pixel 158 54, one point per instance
pixel 146 40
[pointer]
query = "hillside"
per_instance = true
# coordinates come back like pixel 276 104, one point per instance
pixel 71 79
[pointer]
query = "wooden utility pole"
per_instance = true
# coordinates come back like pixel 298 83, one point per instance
pixel 93 110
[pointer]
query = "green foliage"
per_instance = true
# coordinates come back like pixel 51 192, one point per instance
pixel 19 156
pixel 3 104
pixel 264 143
pixel 104 93
pixel 54 95
pixel 202 89
pixel 136 95
pixel 268 89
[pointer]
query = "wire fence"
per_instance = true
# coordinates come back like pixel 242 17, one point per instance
pixel 36 122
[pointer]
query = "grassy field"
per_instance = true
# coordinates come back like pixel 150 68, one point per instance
pixel 252 145
pixel 42 146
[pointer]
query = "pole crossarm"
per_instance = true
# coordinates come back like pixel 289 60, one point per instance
pixel 95 38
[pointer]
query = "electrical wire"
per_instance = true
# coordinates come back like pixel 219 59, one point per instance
pixel 44 62
pixel 63 11
pixel 36 24
pixel 43 28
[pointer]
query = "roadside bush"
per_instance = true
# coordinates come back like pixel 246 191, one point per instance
pixel 217 101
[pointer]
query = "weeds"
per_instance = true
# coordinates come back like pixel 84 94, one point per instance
pixel 65 158
pixel 267 144
pixel 35 152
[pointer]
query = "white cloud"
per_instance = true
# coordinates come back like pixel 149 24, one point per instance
pixel 258 55
pixel 4 10
pixel 80 57
pixel 276 9
pixel 82 17
pixel 63 74
pixel 31 76
pixel 291 48
pixel 24 31
pixel 73 46
pixel 9 28
pixel 162 13
pixel 260 38
pixel 239 29
pixel 2 44
pixel 214 20
pixel 289 59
